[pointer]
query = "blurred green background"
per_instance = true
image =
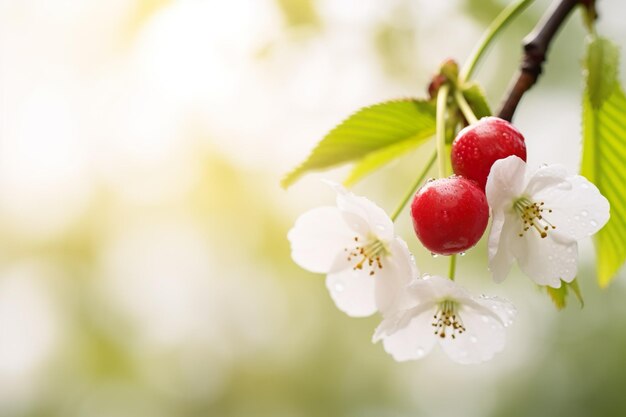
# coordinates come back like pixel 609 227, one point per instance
pixel 144 267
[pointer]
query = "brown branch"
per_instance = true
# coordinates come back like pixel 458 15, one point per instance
pixel 535 49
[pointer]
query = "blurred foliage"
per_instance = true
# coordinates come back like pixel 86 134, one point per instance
pixel 299 12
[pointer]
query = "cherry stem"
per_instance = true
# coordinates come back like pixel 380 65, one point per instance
pixel 414 187
pixel 452 267
pixel 500 22
pixel 442 104
pixel 466 109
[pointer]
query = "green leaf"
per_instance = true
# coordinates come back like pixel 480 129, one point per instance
pixel 380 133
pixel 376 160
pixel 604 153
pixel 559 295
pixel 602 63
pixel 475 97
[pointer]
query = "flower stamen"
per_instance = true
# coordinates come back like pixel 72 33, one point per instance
pixel 446 318
pixel 368 255
pixel 532 215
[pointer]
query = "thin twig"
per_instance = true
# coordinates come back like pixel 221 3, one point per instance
pixel 535 49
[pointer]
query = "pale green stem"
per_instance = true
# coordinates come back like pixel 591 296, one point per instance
pixel 416 184
pixel 500 22
pixel 442 101
pixel 452 267
pixel 465 107
pixel 442 104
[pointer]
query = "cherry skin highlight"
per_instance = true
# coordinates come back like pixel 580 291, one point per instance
pixel 479 145
pixel 449 215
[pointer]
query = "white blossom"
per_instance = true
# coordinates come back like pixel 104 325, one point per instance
pixel 367 265
pixel 469 329
pixel 539 218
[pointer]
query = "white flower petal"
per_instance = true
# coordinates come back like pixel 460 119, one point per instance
pixel 392 280
pixel 505 183
pixel 484 336
pixel 434 287
pixel 501 258
pixel 500 307
pixel 409 334
pixel 415 339
pixel 546 261
pixel 377 221
pixel 318 237
pixel 578 208
pixel 353 290
pixel 547 176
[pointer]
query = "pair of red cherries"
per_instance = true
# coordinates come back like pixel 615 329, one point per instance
pixel 450 214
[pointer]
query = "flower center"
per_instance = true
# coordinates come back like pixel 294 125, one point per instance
pixel 532 214
pixel 367 255
pixel 447 319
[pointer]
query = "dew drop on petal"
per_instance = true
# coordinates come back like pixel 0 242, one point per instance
pixel 380 227
pixel 338 287
pixel 434 255
pixel 462 254
pixel 473 339
pixel 584 185
pixel 419 352
pixel 565 185
pixel 577 217
pixel 584 213
pixel 593 223
pixel 485 319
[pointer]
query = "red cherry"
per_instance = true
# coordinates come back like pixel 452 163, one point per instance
pixel 449 215
pixel 479 145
